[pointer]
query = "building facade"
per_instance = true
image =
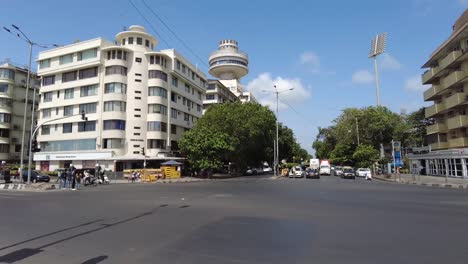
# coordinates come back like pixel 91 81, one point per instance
pixel 447 136
pixel 12 103
pixel 138 102
pixel 217 93
pixel 229 64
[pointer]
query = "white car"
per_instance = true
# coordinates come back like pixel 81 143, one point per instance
pixel 364 172
pixel 296 172
pixel 324 170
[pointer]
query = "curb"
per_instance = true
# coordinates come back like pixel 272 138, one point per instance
pixel 12 186
pixel 428 184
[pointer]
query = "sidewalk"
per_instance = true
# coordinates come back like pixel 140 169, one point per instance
pixel 434 181
pixel 184 179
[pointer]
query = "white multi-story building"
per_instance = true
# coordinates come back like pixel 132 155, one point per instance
pixel 230 65
pixel 134 97
pixel 12 99
pixel 217 93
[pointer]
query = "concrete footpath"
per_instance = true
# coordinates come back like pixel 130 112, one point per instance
pixel 434 181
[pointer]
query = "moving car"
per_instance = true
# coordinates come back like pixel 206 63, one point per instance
pixel 36 176
pixel 338 171
pixel 296 172
pixel 363 172
pixel 348 173
pixel 312 173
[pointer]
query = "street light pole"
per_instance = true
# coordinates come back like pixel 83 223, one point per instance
pixel 357 130
pixel 25 38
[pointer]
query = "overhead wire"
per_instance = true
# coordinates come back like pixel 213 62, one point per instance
pixel 175 35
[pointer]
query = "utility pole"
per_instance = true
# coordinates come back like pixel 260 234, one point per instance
pixel 357 130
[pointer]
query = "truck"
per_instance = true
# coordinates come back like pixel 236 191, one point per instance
pixel 325 168
pixel 314 164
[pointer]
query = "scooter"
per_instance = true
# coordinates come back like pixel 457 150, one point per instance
pixel 89 179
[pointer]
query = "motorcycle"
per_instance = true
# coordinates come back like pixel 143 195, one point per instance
pixel 89 179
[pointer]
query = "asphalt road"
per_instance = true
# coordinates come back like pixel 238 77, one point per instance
pixel 247 220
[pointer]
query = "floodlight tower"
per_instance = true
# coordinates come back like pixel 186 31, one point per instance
pixel 377 48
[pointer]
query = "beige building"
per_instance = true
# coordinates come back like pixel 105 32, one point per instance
pixel 12 99
pixel 134 97
pixel 217 93
pixel 447 73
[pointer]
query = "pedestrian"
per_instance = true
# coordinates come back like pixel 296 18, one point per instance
pixel 79 176
pixel 69 178
pixel 138 176
pixel 133 176
pixel 74 179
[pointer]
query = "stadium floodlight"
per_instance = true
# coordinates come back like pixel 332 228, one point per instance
pixel 377 48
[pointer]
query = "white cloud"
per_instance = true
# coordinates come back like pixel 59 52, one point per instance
pixel 388 62
pixel 311 61
pixel 265 82
pixel 362 77
pixel 414 84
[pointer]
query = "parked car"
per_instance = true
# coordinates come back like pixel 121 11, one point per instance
pixel 296 172
pixel 338 171
pixel 348 173
pixel 253 171
pixel 312 173
pixel 363 172
pixel 267 170
pixel 36 176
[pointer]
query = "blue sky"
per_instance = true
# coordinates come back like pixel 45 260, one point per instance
pixel 318 47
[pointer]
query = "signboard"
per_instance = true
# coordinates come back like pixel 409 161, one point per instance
pixel 397 154
pixel 73 156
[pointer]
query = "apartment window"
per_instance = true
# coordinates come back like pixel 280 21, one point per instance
pixel 211 86
pixel 43 64
pixel 58 94
pixel 136 134
pixel 157 126
pixel 88 108
pixel 137 98
pixel 3 87
pixel 151 59
pixel 47 97
pixel 115 106
pixel 174 113
pixel 157 91
pixel 198 108
pixel 156 144
pixel 138 59
pixel 175 81
pixel 70 145
pixel 5 118
pixel 157 109
pixel 116 69
pixel 7 74
pixel 48 80
pixel 137 127
pixel 87 126
pixel 45 130
pixel 199 96
pixel 155 74
pixel 5 133
pixel 130 40
pixel 115 88
pixel 186 117
pixel 139 41
pixel 88 73
pixel 119 54
pixel 112 143
pixel 18 148
pixel 56 111
pixel 187 88
pixel 67 128
pixel 174 97
pixel 66 59
pixel 69 76
pixel 69 93
pixel 210 97
pixel 184 69
pixel 138 92
pixel 178 65
pixel 123 42
pixel 137 110
pixel 46 113
pixel 173 129
pixel 137 115
pixel 147 43
pixel 6 102
pixel 87 54
pixel 137 74
pixel 68 110
pixel 89 90
pixel 137 80
pixel 114 124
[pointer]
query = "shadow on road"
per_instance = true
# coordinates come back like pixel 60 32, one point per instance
pixel 95 260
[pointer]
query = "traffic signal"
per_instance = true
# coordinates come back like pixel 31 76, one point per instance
pixel 83 116
pixel 35 146
pixel 142 151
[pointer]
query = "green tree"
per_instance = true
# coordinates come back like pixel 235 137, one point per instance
pixel 342 155
pixel 365 156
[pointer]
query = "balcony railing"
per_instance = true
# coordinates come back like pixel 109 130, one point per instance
pixel 436 128
pixel 457 121
pixel 431 92
pixel 434 109
pixel 454 78
pixel 440 145
pixel 427 77
pixel 458 142
pixel 455 99
pixel 450 58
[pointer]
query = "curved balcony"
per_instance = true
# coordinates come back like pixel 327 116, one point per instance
pixel 115 78
pixel 114 133
pixel 114 115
